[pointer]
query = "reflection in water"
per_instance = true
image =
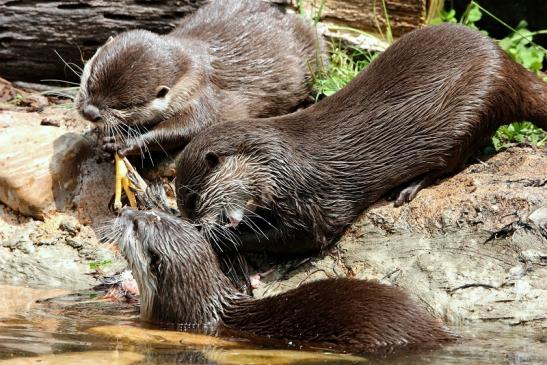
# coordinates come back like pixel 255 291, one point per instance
pixel 79 329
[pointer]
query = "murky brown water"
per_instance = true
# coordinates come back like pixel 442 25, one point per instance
pixel 58 331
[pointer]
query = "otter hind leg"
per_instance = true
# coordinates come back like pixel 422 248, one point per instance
pixel 409 192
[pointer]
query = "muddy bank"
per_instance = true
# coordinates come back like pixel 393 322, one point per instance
pixel 472 248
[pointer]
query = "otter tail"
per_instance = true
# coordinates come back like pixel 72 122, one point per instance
pixel 347 314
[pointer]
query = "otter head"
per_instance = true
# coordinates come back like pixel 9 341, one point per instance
pixel 136 78
pixel 230 174
pixel 179 278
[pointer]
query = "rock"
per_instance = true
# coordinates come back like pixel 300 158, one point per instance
pixel 75 243
pixel 40 170
pixel 50 122
pixel 464 248
pixel 70 227
pixel 7 92
pixel 41 254
pixel 539 218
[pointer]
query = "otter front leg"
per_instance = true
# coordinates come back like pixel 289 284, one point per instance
pixel 165 136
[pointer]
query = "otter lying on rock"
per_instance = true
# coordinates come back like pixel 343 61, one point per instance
pixel 180 282
pixel 414 115
pixel 232 59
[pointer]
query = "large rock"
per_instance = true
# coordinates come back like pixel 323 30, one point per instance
pixel 48 174
pixel 471 249
pixel 58 252
pixel 40 165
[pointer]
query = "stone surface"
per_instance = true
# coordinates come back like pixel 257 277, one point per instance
pixel 43 253
pixel 55 198
pixel 471 249
pixel 39 165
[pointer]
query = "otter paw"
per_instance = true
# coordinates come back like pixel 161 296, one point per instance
pixel 109 144
pixel 406 195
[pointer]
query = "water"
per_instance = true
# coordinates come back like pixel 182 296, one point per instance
pixel 81 329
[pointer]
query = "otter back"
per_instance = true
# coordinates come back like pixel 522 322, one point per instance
pixel 414 115
pixel 231 59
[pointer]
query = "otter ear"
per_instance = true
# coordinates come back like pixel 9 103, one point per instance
pixel 161 91
pixel 212 159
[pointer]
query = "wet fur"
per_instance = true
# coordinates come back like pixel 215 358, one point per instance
pixel 187 287
pixel 232 59
pixel 415 114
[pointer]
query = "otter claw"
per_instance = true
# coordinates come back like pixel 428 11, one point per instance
pixel 110 147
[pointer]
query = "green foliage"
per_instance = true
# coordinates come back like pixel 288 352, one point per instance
pixel 345 64
pixel 520 47
pixel 97 265
pixel 446 16
pixel 518 132
pixel 472 15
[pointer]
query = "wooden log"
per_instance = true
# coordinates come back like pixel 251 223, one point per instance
pixel 36 34
pixel 368 15
pixel 32 31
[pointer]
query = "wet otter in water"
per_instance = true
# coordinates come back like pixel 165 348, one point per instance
pixel 180 282
pixel 232 59
pixel 415 114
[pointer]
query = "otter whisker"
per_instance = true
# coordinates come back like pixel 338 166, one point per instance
pixel 255 214
pixel 68 64
pixel 63 81
pixel 225 235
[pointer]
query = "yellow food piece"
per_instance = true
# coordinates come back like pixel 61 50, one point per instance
pixel 121 172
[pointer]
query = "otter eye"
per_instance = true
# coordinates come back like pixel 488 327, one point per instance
pixel 161 91
pixel 191 202
pixel 155 261
pixel 212 159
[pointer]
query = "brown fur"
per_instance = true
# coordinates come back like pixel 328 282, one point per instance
pixel 181 283
pixel 232 59
pixel 415 114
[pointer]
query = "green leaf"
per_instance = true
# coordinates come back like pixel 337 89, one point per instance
pixel 474 14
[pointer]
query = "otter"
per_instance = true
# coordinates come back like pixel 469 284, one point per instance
pixel 181 283
pixel 231 59
pixel 414 115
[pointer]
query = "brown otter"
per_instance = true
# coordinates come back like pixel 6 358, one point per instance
pixel 415 114
pixel 232 59
pixel 180 282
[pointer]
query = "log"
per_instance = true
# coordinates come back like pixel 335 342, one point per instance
pixel 51 39
pixel 368 15
pixel 33 31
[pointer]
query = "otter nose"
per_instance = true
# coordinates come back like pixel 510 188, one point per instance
pixel 91 113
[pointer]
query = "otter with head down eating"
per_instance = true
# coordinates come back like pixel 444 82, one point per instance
pixel 415 114
pixel 231 59
pixel 181 283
